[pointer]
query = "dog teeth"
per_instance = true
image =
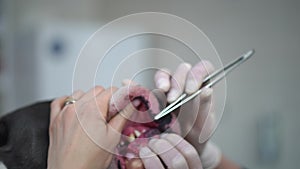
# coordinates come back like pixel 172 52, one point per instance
pixel 131 137
pixel 137 133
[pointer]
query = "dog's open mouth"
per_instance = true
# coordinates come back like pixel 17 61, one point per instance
pixel 141 127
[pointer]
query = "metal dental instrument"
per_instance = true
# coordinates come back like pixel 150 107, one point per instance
pixel 208 82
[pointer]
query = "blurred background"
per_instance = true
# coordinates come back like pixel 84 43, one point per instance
pixel 40 41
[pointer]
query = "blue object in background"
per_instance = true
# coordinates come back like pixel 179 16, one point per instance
pixel 57 47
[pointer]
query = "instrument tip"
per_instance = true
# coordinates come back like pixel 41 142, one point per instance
pixel 248 54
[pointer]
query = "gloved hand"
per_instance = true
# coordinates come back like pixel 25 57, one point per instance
pixel 196 117
pixel 173 150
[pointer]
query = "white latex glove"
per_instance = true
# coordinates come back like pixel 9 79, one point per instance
pixel 173 150
pixel 196 117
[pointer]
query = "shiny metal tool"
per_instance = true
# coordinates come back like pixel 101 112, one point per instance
pixel 208 82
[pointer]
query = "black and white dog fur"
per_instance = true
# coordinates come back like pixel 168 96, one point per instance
pixel 24 137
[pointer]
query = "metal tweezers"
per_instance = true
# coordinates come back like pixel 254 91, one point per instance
pixel 208 82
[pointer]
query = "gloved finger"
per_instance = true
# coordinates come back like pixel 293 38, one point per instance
pixel 150 159
pixel 162 79
pixel 168 153
pixel 211 155
pixel 128 82
pixel 186 149
pixel 196 76
pixel 178 81
pixel 206 96
pixel 206 115
pixel 161 97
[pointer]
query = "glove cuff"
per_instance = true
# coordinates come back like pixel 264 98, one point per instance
pixel 211 156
